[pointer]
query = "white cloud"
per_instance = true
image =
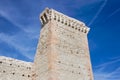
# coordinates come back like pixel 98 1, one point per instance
pixel 114 75
pixel 101 73
pixel 12 41
pixel 28 30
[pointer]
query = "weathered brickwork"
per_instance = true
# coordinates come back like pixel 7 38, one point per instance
pixel 62 52
pixel 11 69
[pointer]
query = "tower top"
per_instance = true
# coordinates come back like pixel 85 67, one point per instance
pixel 51 14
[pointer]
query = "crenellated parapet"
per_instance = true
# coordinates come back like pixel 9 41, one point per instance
pixel 50 14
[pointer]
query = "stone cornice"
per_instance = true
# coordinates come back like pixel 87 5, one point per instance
pixel 50 14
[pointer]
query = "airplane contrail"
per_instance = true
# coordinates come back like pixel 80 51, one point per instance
pixel 98 12
pixel 116 11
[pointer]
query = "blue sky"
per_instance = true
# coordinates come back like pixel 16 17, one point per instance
pixel 20 29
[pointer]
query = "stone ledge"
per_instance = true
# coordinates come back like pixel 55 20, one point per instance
pixel 50 14
pixel 15 61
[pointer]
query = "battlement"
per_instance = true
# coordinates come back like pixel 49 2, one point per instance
pixel 50 14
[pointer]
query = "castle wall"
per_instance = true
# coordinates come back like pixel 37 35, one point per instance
pixel 12 69
pixel 43 56
pixel 64 48
pixel 73 61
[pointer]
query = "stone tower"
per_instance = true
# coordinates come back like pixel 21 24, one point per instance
pixel 62 52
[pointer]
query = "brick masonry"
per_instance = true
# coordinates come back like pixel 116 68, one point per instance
pixel 12 69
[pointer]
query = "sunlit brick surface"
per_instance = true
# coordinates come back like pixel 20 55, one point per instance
pixel 12 69
pixel 62 52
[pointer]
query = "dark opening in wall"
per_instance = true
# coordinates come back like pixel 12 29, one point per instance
pixel 82 30
pixel 23 75
pixel 72 71
pixel 45 17
pixel 59 61
pixel 65 23
pixel 55 18
pixel 72 26
pixel 28 75
pixel 42 20
pixel 77 52
pixel 69 25
pixel 10 64
pixel 0 62
pixel 85 31
pixel 13 73
pixel 3 71
pixel 58 20
pixel 28 67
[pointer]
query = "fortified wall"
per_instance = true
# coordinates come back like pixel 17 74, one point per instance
pixel 12 69
pixel 62 52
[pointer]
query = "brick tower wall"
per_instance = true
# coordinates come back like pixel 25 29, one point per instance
pixel 62 52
